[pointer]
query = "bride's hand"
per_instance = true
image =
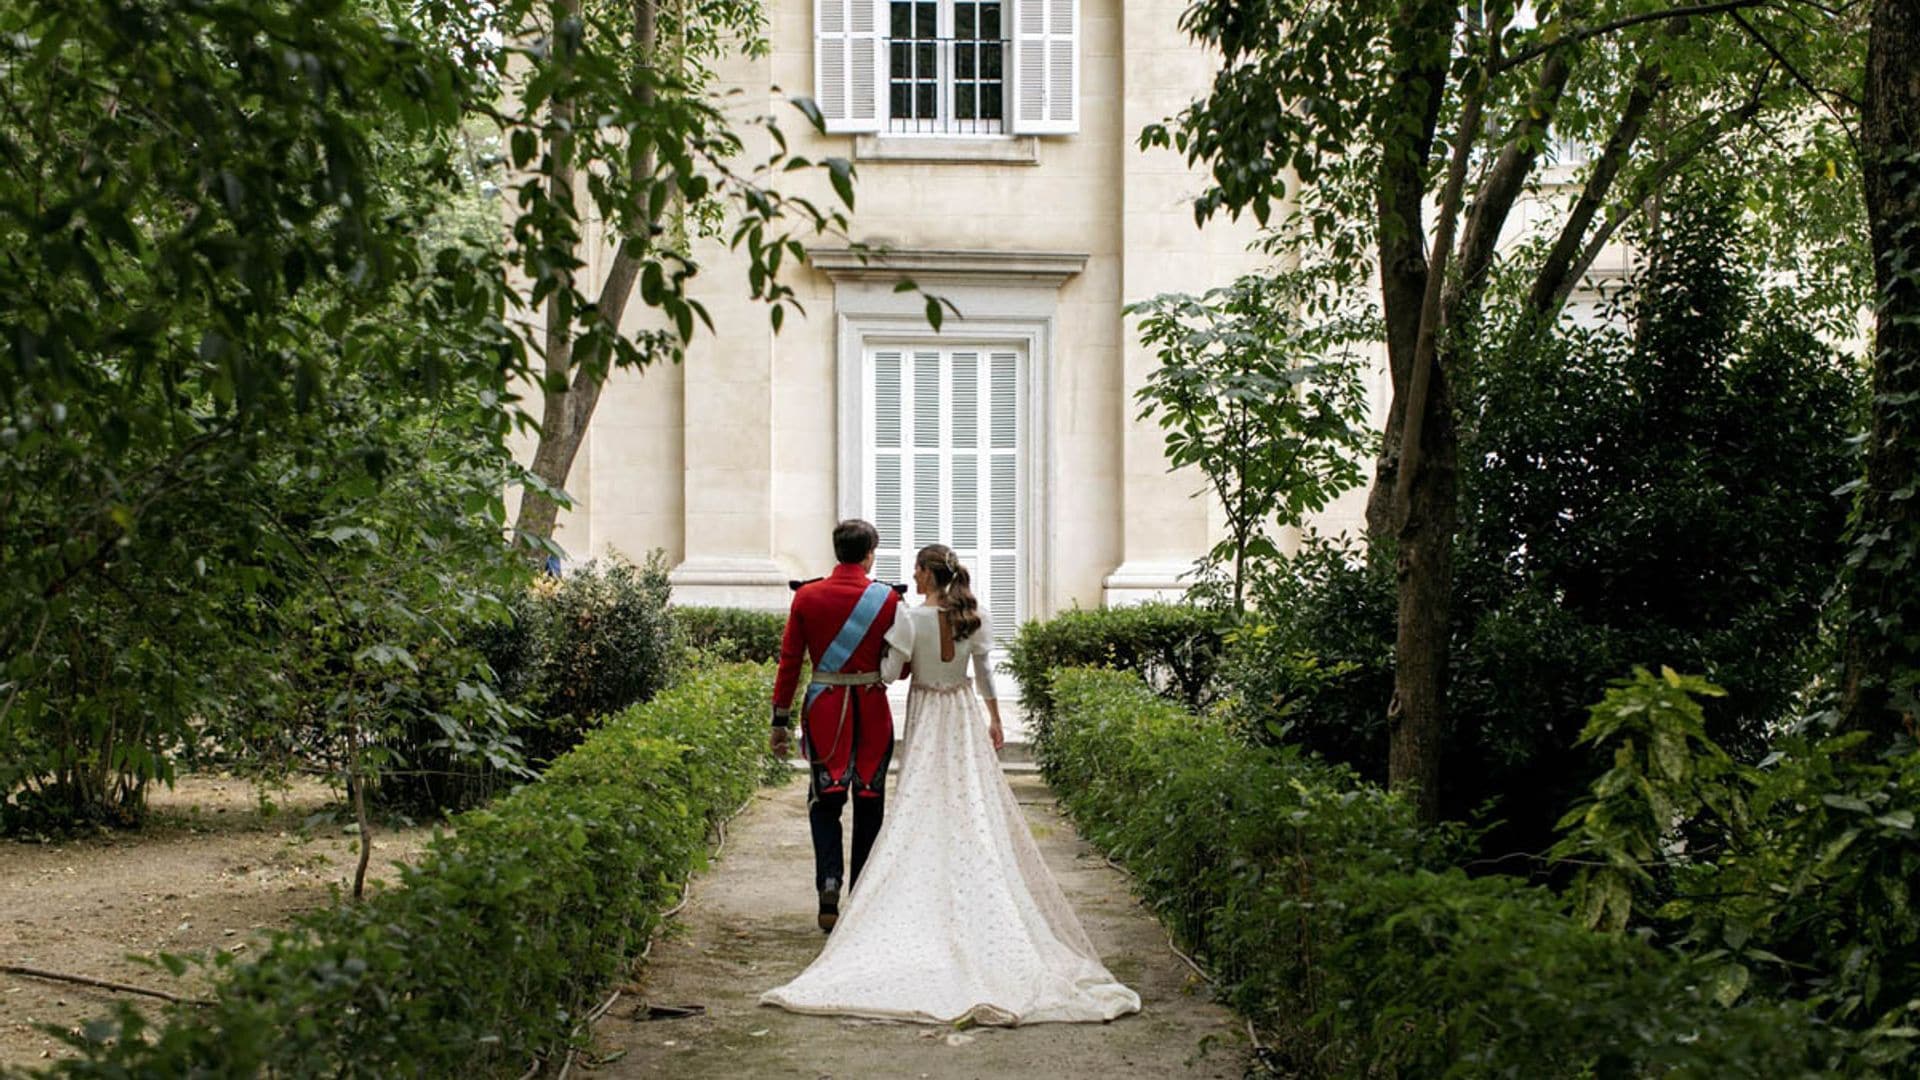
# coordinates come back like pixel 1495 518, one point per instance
pixel 999 737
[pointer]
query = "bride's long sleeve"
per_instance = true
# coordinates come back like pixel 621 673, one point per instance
pixel 899 650
pixel 981 646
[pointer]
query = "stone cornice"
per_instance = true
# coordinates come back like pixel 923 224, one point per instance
pixel 924 265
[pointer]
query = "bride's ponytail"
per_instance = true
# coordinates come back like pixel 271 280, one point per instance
pixel 956 588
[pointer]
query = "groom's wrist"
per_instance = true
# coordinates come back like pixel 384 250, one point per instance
pixel 782 717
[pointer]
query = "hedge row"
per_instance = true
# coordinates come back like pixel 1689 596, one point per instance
pixel 1330 918
pixel 1174 647
pixel 497 942
pixel 731 633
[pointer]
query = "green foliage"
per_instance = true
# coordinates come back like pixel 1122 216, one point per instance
pixel 253 391
pixel 589 644
pixel 569 652
pixel 1267 405
pixel 494 946
pixel 732 633
pixel 1664 770
pixel 1793 879
pixel 1313 661
pixel 1705 541
pixel 1175 647
pixel 1231 846
pixel 1326 915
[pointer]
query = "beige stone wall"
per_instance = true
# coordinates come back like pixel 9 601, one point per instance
pixel 730 463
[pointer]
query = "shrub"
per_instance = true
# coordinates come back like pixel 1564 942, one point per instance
pixel 594 642
pixel 493 947
pixel 1174 647
pixel 1229 843
pixel 1796 879
pixel 1327 916
pixel 738 634
pixel 1704 540
pixel 574 650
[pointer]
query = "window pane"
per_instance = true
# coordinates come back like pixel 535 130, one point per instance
pixel 923 57
pixel 902 21
pixel 963 22
pixel 900 65
pixel 963 102
pixel 900 107
pixel 990 22
pixel 924 100
pixel 990 60
pixel 966 59
pixel 926 22
pixel 991 105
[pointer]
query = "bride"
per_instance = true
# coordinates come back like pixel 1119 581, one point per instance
pixel 956 917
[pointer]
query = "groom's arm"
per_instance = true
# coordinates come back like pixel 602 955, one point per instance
pixel 793 648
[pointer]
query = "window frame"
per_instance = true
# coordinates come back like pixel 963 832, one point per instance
pixel 944 123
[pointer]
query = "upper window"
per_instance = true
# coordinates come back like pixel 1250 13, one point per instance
pixel 956 67
pixel 946 67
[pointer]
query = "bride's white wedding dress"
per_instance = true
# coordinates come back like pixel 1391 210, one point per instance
pixel 955 915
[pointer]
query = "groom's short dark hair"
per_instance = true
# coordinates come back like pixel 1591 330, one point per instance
pixel 854 540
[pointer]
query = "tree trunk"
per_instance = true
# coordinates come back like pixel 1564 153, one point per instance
pixel 574 382
pixel 1424 571
pixel 1421 527
pixel 1419 89
pixel 1883 625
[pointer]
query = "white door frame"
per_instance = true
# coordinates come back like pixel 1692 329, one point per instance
pixel 859 334
pixel 996 297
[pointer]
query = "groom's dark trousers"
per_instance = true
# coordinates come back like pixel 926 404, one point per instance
pixel 846 725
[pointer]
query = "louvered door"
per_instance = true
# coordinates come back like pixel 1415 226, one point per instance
pixel 944 435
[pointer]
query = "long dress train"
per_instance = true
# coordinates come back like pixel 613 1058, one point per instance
pixel 955 915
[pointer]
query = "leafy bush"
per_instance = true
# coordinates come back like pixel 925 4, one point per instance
pixel 1313 662
pixel 1229 844
pixel 493 947
pixel 591 643
pixel 1326 915
pixel 1660 499
pixel 1794 880
pixel 210 380
pixel 573 650
pixel 740 634
pixel 1174 647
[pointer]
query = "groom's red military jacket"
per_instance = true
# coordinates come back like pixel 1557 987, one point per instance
pixel 848 729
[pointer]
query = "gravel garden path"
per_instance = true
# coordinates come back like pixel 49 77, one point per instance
pixel 749 926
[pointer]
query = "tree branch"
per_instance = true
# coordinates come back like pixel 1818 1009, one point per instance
pixel 1806 83
pixel 1648 83
pixel 1501 187
pixel 1548 306
pixel 1431 314
pixel 1617 25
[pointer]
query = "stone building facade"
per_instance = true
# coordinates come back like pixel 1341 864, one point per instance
pixel 995 143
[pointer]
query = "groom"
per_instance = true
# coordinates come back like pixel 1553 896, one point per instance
pixel 839 621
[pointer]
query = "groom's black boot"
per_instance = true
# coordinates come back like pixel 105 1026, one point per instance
pixel 830 904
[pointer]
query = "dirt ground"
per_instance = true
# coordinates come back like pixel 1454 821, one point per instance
pixel 750 926
pixel 215 867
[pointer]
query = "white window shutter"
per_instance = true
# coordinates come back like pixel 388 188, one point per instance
pixel 888 498
pixel 945 431
pixel 847 68
pixel 1046 67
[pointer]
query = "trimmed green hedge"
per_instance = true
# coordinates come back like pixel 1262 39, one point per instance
pixel 1333 920
pixel 1174 647
pixel 732 633
pixel 497 942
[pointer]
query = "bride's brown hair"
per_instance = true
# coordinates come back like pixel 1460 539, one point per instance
pixel 955 586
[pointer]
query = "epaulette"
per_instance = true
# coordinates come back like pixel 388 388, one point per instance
pixel 794 585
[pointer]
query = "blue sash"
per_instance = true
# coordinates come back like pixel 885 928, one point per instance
pixel 851 634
